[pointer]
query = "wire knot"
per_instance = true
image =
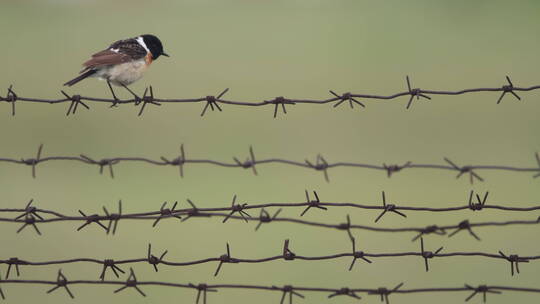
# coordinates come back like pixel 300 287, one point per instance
pixel 131 282
pixel 110 263
pixel 75 101
pixel 345 291
pixel 463 170
pixel 480 201
pixel 508 88
pixel 154 260
pixel 391 169
pixel 61 281
pixel 280 101
pixel 94 218
pixel 346 97
pixel 212 101
pixel 166 212
pixel 237 208
pixel 480 289
pixel 414 92
pixel 430 229
pixel 14 262
pixel 320 165
pixel 316 203
pixel 427 254
pixel 225 258
pixel 250 162
pixel 514 259
pixel 384 292
pixel 387 207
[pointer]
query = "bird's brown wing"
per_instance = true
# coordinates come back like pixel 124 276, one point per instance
pixel 105 57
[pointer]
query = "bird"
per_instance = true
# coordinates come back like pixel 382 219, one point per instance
pixel 123 62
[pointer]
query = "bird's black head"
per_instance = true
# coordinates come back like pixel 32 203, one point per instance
pixel 154 45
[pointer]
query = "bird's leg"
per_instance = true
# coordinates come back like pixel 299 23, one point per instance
pixel 137 98
pixel 113 95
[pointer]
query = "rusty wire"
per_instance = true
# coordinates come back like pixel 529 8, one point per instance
pixel 31 216
pixel 287 254
pixel 213 102
pixel 286 291
pixel 320 164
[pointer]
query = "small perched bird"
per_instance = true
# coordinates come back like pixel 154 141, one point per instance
pixel 123 62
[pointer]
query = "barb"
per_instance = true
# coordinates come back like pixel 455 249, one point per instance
pixel 214 102
pixel 287 254
pixel 31 215
pixel 320 164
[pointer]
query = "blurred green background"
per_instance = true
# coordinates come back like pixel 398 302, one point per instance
pixel 263 49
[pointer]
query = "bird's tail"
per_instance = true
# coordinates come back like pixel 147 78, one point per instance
pixel 80 77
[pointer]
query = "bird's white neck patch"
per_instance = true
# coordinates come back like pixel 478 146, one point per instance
pixel 140 40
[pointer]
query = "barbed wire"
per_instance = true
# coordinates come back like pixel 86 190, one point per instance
pixel 213 102
pixel 320 164
pixel 287 254
pixel 287 291
pixel 30 215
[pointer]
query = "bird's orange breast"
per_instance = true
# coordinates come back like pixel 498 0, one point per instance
pixel 148 58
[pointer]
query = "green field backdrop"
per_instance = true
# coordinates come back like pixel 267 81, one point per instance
pixel 260 50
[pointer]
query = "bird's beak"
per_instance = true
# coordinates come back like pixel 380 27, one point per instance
pixel 165 54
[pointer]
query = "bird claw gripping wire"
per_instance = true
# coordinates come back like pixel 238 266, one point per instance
pixel 383 292
pixel 320 165
pixel 166 212
pixel 147 99
pixel 481 202
pixel 33 161
pixel 101 163
pixel 514 259
pixel 480 289
pixel 280 101
pixel 428 230
pixel 179 161
pixel 508 88
pixel 94 218
pixel 416 92
pixel 154 260
pixel 357 255
pixel 288 289
pixel 249 163
pixel 346 97
pixel 61 281
pixel 113 218
pixel 391 169
pixel 225 258
pixel 463 170
pixel 11 97
pixel 465 225
pixel 75 102
pixel 287 253
pixel 388 208
pixel 427 254
pixel 316 203
pixel 201 289
pixel 131 282
pixel 237 208
pixel 212 101
pixel 115 269
pixel 265 217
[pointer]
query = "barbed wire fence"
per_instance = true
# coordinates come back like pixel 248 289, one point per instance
pixel 213 102
pixel 319 164
pixel 287 291
pixel 31 215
